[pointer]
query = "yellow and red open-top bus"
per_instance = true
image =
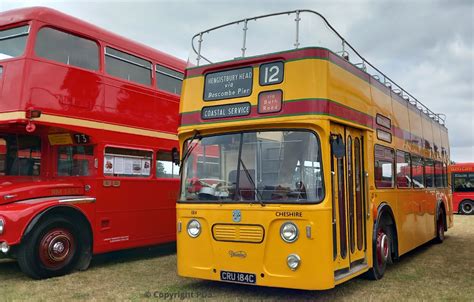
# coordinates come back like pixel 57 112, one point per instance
pixel 303 165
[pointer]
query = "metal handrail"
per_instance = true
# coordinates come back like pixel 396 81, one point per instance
pixel 388 82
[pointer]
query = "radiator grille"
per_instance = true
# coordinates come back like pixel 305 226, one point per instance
pixel 238 233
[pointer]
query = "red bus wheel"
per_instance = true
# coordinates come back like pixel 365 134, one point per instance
pixel 56 248
pixel 467 207
pixel 51 249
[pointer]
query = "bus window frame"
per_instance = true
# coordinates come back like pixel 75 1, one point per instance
pixel 113 177
pixel 178 178
pixel 152 84
pixel 157 84
pixel 394 180
pixel 31 37
pixel 99 70
pixel 55 158
pixel 410 168
pixel 425 160
pixel 323 180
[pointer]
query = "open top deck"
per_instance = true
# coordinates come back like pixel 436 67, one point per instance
pixel 278 32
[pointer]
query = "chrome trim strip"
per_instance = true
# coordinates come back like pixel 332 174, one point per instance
pixel 78 200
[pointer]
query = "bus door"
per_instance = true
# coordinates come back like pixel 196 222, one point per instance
pixel 349 199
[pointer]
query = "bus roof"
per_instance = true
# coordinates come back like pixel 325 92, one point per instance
pixel 60 19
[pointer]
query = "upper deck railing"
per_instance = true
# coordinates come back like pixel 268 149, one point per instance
pixel 285 31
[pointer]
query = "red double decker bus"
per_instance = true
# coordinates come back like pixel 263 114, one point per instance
pixel 462 184
pixel 88 123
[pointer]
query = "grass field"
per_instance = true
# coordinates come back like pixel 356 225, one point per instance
pixel 432 272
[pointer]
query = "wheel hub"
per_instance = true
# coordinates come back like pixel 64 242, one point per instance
pixel 382 247
pixel 56 248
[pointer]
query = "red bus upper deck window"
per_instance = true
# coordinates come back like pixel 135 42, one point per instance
pixel 67 48
pixel 168 79
pixel 13 41
pixel 127 66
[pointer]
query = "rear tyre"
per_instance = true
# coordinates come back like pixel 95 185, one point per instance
pixel 440 227
pixel 466 207
pixel 381 251
pixel 51 249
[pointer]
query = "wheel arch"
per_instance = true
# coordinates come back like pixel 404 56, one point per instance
pixel 76 216
pixel 385 213
pixel 64 210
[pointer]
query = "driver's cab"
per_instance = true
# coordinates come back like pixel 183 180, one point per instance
pixel 46 153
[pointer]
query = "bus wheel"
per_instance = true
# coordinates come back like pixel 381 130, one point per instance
pixel 381 252
pixel 466 207
pixel 51 249
pixel 440 227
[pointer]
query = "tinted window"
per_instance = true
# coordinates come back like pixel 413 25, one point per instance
pixel 403 169
pixel 417 170
pixel 20 155
pixel 127 162
pixel 75 160
pixel 13 41
pixel 168 79
pixel 429 173
pixel 127 66
pixel 384 158
pixel 165 167
pixel 67 48
pixel 463 182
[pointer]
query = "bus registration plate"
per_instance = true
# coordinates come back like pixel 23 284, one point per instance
pixel 238 277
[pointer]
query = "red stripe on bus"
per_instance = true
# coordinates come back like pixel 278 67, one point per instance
pixel 310 106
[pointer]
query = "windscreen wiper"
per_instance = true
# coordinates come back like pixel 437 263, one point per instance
pixel 257 193
pixel 190 149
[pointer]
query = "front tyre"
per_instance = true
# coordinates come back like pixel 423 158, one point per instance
pixel 381 251
pixel 466 207
pixel 51 249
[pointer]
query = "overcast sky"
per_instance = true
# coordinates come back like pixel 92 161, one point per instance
pixel 425 46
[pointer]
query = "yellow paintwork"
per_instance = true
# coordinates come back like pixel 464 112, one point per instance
pixel 414 209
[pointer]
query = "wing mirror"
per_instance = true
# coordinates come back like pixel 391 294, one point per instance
pixel 175 156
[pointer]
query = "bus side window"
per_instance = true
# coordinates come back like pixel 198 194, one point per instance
pixel 417 171
pixel 168 79
pixel 165 168
pixel 384 162
pixel 438 175
pixel 429 173
pixel 403 169
pixel 67 48
pixel 75 160
pixel 127 66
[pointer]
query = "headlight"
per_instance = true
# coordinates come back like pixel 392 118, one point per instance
pixel 293 261
pixel 2 226
pixel 194 228
pixel 289 232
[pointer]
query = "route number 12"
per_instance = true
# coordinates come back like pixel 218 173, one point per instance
pixel 271 73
